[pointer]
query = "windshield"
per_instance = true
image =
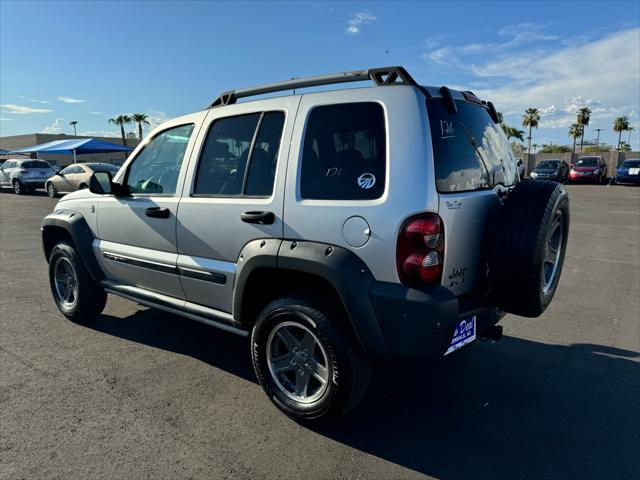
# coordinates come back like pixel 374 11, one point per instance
pixel 549 164
pixel 35 164
pixel 631 164
pixel 103 167
pixel 587 162
pixel 470 151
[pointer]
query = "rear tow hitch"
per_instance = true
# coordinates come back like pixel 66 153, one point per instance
pixel 493 334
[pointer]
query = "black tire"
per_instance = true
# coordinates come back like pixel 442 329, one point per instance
pixel 51 190
pixel 89 299
pixel 18 188
pixel 82 186
pixel 527 225
pixel 348 370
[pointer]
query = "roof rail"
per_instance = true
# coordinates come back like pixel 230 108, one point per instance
pixel 379 76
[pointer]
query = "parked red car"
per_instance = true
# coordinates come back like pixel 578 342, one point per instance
pixel 589 169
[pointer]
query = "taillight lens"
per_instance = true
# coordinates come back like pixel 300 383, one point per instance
pixel 420 250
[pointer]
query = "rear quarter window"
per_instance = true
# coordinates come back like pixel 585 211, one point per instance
pixel 344 152
pixel 470 151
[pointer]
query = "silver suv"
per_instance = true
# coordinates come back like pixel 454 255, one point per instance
pixel 24 175
pixel 333 228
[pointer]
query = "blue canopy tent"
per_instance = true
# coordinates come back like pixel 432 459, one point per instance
pixel 76 146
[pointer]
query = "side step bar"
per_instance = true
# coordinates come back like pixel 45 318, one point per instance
pixel 215 318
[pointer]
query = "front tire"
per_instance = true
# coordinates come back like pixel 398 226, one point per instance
pixel 18 188
pixel 307 362
pixel 77 296
pixel 51 190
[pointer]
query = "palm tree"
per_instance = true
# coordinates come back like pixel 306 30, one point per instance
pixel 73 124
pixel 140 118
pixel 575 131
pixel 620 125
pixel 582 119
pixel 121 120
pixel 531 119
pixel 630 129
pixel 512 132
pixel 535 146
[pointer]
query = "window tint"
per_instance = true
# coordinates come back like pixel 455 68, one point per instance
pixel 344 152
pixel 262 165
pixel 35 164
pixel 227 153
pixel 470 151
pixel 8 164
pixel 156 168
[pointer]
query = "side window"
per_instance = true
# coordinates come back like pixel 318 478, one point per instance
pixel 68 170
pixel 235 145
pixel 262 165
pixel 156 168
pixel 344 152
pixel 8 164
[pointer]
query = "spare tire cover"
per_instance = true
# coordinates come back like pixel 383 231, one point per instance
pixel 527 247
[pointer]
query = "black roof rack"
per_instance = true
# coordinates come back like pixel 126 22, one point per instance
pixel 379 76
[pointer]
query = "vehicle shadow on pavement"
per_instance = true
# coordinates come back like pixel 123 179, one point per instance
pixel 172 333
pixel 516 409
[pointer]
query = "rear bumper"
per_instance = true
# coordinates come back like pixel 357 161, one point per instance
pixel 417 323
pixel 32 182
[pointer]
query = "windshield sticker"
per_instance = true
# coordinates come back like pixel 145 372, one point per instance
pixel 333 172
pixel 447 130
pixel 366 180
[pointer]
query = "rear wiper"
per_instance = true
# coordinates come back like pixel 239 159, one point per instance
pixel 474 144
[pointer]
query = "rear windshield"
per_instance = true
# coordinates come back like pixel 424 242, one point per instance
pixel 631 164
pixel 587 162
pixel 549 164
pixel 470 151
pixel 35 164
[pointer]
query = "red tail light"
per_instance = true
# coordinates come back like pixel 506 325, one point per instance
pixel 420 250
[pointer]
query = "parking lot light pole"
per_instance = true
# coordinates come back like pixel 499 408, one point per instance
pixel 597 139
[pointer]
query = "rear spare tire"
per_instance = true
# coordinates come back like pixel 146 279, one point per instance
pixel 528 247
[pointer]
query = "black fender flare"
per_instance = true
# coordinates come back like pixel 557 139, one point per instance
pixel 75 225
pixel 340 267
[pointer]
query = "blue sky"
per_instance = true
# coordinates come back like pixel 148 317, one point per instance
pixel 89 61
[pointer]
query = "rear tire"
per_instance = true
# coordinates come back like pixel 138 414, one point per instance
pixel 283 360
pixel 77 296
pixel 528 247
pixel 82 187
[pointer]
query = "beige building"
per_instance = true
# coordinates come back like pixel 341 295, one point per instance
pixel 21 141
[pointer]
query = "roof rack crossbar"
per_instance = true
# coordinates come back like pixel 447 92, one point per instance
pixel 379 76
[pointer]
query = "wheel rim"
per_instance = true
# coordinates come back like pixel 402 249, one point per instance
pixel 66 283
pixel 16 187
pixel 298 362
pixel 51 190
pixel 553 251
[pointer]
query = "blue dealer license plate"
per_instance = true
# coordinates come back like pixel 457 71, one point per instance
pixel 465 333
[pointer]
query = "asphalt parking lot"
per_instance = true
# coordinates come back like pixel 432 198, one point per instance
pixel 144 394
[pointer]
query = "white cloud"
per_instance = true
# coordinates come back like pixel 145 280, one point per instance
pixel 551 80
pixel 2 119
pixel 96 113
pixel 33 100
pixel 56 127
pixel 11 108
pixel 354 25
pixel 70 100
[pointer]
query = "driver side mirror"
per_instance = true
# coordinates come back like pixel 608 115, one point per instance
pixel 101 183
